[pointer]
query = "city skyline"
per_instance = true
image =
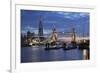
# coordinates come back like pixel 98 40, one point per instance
pixel 54 36
pixel 62 21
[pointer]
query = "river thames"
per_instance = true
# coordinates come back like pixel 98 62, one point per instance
pixel 39 54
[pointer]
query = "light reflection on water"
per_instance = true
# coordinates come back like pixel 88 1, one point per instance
pixel 39 54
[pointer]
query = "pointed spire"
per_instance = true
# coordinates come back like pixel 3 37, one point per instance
pixel 40 27
pixel 54 29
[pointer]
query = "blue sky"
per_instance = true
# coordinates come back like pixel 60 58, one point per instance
pixel 62 21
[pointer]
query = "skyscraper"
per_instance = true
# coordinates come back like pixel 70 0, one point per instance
pixel 40 29
pixel 73 35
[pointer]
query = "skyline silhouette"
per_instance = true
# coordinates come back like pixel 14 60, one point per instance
pixel 63 21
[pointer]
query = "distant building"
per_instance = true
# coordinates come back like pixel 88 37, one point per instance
pixel 73 35
pixel 40 29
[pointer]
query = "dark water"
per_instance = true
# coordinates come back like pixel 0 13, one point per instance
pixel 39 54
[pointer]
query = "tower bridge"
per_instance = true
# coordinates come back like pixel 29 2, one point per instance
pixel 55 36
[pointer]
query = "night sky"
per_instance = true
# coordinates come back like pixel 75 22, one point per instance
pixel 62 21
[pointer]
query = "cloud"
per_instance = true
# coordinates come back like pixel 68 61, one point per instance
pixel 84 14
pixel 35 30
pixel 29 28
pixel 64 13
pixel 73 15
pixel 48 21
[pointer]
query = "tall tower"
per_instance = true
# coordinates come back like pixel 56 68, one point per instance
pixel 73 35
pixel 40 29
pixel 54 35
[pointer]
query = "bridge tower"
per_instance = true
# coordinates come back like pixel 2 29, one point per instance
pixel 54 35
